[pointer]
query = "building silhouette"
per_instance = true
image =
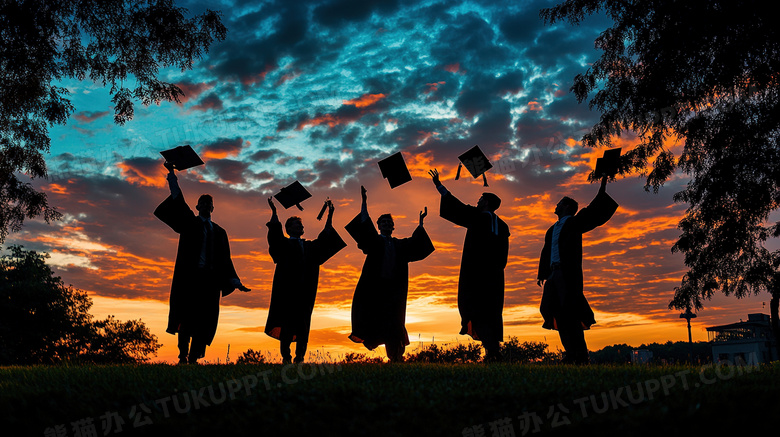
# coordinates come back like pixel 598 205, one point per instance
pixel 751 341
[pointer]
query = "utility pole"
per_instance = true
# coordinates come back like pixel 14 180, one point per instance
pixel 688 315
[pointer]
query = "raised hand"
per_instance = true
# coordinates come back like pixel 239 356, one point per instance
pixel 363 193
pixel 422 215
pixel 169 166
pixel 331 208
pixel 271 204
pixel 435 176
pixel 603 188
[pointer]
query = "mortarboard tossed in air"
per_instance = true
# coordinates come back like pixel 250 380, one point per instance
pixel 608 164
pixel 394 170
pixel 292 194
pixel 182 157
pixel 476 163
pixel 357 227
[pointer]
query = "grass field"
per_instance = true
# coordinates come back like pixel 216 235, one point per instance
pixel 389 399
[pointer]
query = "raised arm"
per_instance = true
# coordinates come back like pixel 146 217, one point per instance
pixel 173 182
pixel 274 217
pixel 422 216
pixel 364 205
pixel 331 208
pixel 451 208
pixel 435 178
pixel 598 211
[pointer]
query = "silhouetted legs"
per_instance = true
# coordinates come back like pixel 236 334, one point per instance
pixel 492 351
pixel 395 351
pixel 573 341
pixel 184 347
pixel 190 353
pixel 569 328
pixel 284 347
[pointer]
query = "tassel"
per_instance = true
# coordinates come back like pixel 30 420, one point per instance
pixel 484 180
pixel 299 206
pixel 457 175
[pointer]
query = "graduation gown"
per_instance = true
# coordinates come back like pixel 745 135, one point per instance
pixel 295 279
pixel 481 282
pixel 379 302
pixel 571 308
pixel 195 294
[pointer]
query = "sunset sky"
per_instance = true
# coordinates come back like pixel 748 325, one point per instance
pixel 319 91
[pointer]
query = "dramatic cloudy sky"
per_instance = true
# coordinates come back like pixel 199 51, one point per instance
pixel 319 91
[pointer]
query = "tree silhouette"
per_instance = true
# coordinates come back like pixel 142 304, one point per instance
pixel 111 42
pixel 43 321
pixel 704 73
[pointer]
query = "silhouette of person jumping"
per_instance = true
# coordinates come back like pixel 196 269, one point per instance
pixel 379 303
pixel 202 272
pixel 485 252
pixel 564 307
pixel 295 279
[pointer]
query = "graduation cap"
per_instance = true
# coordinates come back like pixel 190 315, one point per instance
pixel 357 227
pixel 394 170
pixel 182 157
pixel 608 164
pixel 476 163
pixel 292 194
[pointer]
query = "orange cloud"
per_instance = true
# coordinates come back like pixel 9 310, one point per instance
pixel 452 68
pixel 56 189
pixel 534 106
pixel 432 87
pixel 140 176
pixel 350 111
pixel 419 163
pixel 365 100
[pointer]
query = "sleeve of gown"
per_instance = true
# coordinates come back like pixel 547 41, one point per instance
pixel 419 245
pixel 544 257
pixel 230 279
pixel 327 244
pixel 503 245
pixel 455 211
pixel 598 212
pixel 275 240
pixel 174 212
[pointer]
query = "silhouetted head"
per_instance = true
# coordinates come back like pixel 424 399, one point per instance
pixel 385 224
pixel 566 206
pixel 205 205
pixel 488 202
pixel 294 227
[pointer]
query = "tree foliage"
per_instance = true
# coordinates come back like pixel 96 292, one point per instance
pixel 120 44
pixel 704 74
pixel 43 321
pixel 669 353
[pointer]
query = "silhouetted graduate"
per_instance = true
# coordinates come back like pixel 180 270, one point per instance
pixel 295 279
pixel 379 303
pixel 564 307
pixel 485 252
pixel 202 272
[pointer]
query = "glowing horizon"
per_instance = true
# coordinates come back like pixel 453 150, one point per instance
pixel 305 91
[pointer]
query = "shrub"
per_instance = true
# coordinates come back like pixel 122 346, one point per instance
pixel 461 353
pixel 352 357
pixel 251 357
pixel 526 352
